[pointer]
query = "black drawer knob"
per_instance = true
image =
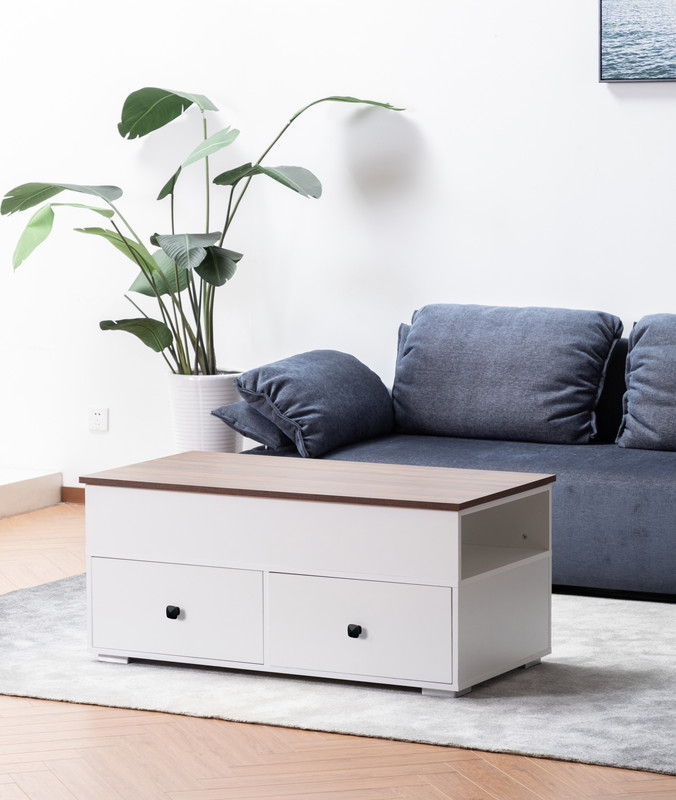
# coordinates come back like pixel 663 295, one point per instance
pixel 173 612
pixel 354 631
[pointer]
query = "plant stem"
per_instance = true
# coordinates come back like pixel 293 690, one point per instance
pixel 230 215
pixel 179 297
pixel 151 281
pixel 172 215
pixel 200 350
pixel 198 344
pixel 182 351
pixel 206 173
pixel 209 327
pixel 210 310
pixel 128 226
pixel 188 332
pixel 232 210
pixel 227 216
pixel 205 331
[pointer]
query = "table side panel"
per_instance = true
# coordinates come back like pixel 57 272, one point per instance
pixel 371 542
pixel 503 620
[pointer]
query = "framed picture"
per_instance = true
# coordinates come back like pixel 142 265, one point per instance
pixel 638 40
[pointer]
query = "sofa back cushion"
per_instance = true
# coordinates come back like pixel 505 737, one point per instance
pixel 649 420
pixel 529 374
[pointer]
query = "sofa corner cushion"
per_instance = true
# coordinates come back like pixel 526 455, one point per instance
pixel 529 374
pixel 244 418
pixel 649 420
pixel 321 400
pixel 402 334
pixel 609 407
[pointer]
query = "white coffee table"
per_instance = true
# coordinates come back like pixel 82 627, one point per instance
pixel 414 576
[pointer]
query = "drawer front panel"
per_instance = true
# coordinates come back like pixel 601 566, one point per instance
pixel 406 629
pixel 220 617
pixel 316 538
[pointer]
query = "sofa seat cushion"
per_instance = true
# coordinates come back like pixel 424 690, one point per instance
pixel 529 374
pixel 614 509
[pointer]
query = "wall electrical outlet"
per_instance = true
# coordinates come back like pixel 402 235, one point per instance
pixel 98 419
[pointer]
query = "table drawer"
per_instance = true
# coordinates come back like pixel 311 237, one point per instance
pixel 406 629
pixel 220 617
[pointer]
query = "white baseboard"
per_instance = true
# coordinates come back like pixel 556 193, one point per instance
pixel 27 490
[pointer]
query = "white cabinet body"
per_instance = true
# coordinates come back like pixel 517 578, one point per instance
pixel 408 596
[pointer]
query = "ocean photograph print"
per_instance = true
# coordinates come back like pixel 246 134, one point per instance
pixel 638 40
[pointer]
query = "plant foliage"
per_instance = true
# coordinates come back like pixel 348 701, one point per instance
pixel 150 331
pixel 183 274
pixel 150 108
pixel 219 265
pixel 40 226
pixel 188 250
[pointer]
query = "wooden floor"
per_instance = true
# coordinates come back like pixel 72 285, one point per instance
pixel 62 751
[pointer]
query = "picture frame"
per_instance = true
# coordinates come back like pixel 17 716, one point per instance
pixel 637 41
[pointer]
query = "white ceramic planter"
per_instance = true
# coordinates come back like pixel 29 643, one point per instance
pixel 193 397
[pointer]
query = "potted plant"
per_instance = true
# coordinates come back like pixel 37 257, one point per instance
pixel 183 270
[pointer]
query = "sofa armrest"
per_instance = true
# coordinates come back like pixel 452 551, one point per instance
pixel 321 400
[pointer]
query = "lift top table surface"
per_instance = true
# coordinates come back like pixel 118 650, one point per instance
pixel 367 483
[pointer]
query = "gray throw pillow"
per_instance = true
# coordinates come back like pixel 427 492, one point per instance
pixel 649 420
pixel 246 420
pixel 492 372
pixel 321 400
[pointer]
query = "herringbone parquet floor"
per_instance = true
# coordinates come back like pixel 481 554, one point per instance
pixel 61 751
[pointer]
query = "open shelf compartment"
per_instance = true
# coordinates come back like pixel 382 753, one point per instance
pixel 504 535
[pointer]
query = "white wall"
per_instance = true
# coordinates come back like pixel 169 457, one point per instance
pixel 514 177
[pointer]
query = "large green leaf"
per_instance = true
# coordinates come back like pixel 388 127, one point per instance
pixel 201 101
pixel 132 249
pixel 232 176
pixel 169 186
pixel 204 149
pixel 166 281
pixel 188 250
pixel 39 227
pixel 299 179
pixel 104 212
pixel 219 265
pixel 30 194
pixel 150 331
pixel 212 145
pixel 346 99
pixel 150 108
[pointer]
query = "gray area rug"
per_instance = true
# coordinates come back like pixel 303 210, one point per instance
pixel 605 695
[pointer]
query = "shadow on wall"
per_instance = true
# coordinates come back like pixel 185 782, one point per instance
pixel 644 90
pixel 384 153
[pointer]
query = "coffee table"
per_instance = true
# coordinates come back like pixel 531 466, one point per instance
pixel 414 576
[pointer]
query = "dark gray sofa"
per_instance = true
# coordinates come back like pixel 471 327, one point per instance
pixel 614 508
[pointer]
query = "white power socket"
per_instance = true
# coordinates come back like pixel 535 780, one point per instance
pixel 98 419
